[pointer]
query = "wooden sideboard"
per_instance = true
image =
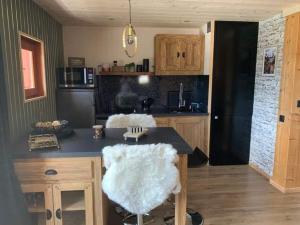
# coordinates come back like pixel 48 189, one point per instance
pixel 179 54
pixel 193 129
pixel 59 191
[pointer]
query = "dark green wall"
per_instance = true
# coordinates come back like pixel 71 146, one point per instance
pixel 3 106
pixel 26 16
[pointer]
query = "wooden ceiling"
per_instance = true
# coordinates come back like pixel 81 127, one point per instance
pixel 162 13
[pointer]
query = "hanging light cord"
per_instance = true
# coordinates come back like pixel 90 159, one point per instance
pixel 129 11
pixel 129 36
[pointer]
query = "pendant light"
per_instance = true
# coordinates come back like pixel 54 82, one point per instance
pixel 129 37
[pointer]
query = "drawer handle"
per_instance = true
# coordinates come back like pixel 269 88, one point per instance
pixel 49 214
pixel 51 172
pixel 58 214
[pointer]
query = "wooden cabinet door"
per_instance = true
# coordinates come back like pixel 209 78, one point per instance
pixel 162 121
pixel 192 57
pixel 193 130
pixel 39 202
pixel 73 203
pixel 167 55
pixel 179 54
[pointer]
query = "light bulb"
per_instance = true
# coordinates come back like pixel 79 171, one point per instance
pixel 130 39
pixel 143 79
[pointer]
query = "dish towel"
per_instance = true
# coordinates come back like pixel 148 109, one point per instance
pixel 140 177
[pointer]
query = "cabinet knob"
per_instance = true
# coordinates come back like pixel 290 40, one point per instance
pixel 183 54
pixel 216 117
pixel 178 54
pixel 50 172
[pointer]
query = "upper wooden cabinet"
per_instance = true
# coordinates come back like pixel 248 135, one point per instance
pixel 179 54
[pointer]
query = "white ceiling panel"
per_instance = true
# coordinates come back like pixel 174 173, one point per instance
pixel 161 13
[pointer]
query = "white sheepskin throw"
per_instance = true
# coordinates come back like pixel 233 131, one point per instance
pixel 140 177
pixel 124 121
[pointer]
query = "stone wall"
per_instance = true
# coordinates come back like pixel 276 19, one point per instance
pixel 266 96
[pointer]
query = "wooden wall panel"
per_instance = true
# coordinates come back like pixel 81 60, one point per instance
pixel 286 174
pixel 27 17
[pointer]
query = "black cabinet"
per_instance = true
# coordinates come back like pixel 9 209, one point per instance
pixel 77 106
pixel 233 92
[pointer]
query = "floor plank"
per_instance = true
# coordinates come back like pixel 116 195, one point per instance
pixel 238 195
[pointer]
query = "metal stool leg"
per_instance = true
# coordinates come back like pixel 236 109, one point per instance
pixel 140 219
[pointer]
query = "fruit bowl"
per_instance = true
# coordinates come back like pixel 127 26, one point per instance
pixel 61 128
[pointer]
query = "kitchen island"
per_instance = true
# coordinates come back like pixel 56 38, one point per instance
pixel 193 127
pixel 69 179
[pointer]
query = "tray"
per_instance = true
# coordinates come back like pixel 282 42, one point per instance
pixel 44 141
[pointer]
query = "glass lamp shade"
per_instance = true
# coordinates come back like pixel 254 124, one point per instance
pixel 129 41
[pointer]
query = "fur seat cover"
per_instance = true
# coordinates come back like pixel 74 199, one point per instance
pixel 124 121
pixel 140 177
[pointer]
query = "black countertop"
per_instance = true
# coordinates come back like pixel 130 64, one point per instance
pixel 82 143
pixel 104 116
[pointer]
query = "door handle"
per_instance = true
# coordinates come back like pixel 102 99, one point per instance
pixel 48 214
pixel 58 214
pixel 216 117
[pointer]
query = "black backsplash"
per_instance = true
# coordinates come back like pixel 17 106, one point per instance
pixel 163 89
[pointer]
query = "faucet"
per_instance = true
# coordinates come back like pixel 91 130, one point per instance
pixel 181 100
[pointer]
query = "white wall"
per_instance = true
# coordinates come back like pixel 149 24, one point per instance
pixel 104 44
pixel 207 49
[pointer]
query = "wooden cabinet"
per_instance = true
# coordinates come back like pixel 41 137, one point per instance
pixel 192 54
pixel 162 121
pixel 168 53
pixel 73 200
pixel 39 199
pixel 60 191
pixel 193 129
pixel 286 173
pixel 179 54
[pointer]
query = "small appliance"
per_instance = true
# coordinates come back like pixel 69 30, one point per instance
pixel 71 77
pixel 146 104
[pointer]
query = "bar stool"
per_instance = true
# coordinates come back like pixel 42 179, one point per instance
pixel 195 160
pixel 124 121
pixel 140 177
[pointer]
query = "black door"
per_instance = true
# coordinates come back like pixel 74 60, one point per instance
pixel 233 92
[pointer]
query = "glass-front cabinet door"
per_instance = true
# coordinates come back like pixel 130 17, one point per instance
pixel 39 200
pixel 73 204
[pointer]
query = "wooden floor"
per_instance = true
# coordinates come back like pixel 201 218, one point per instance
pixel 237 195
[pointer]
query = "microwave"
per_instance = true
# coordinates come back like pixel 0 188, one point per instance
pixel 76 77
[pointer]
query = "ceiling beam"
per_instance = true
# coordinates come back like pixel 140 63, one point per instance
pixel 290 11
